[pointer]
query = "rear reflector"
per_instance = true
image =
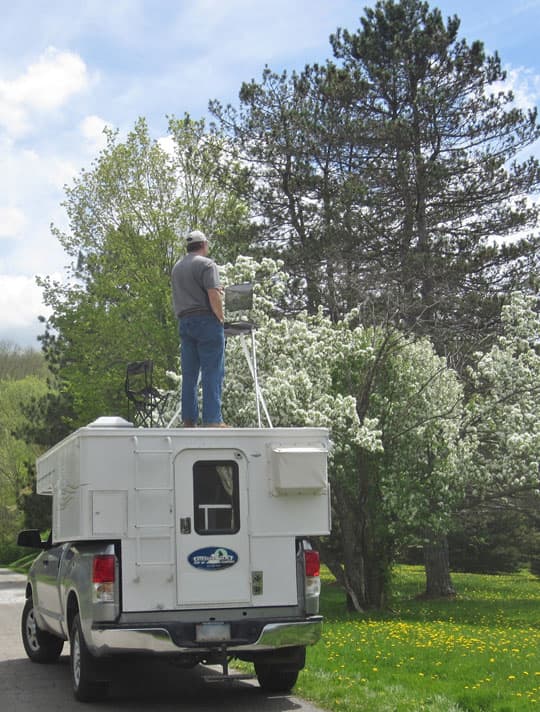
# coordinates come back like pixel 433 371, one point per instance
pixel 313 564
pixel 103 568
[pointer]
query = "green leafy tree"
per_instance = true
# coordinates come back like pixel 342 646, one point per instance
pixel 17 362
pixel 15 452
pixel 491 541
pixel 502 429
pixel 126 218
pixel 15 396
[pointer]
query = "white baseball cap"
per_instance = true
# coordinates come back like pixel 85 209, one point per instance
pixel 196 236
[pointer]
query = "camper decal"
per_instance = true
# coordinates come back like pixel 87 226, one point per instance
pixel 213 558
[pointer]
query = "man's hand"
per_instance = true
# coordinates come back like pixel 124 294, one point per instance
pixel 216 302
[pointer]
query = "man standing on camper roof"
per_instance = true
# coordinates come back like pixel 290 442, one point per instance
pixel 198 304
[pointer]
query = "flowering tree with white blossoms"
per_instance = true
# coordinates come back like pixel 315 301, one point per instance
pixel 391 406
pixel 422 472
pixel 296 359
pixel 503 417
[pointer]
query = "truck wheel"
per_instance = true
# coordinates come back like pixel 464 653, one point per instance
pixel 84 668
pixel 273 678
pixel 40 646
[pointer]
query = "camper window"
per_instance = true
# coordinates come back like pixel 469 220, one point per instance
pixel 215 497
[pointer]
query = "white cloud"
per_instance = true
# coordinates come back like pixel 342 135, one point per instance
pixel 523 82
pixel 20 302
pixel 525 85
pixel 30 195
pixel 92 131
pixel 167 144
pixel 45 86
pixel 12 222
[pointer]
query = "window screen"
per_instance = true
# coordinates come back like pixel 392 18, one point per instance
pixel 215 495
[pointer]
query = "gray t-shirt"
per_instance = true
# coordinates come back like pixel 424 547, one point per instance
pixel 192 277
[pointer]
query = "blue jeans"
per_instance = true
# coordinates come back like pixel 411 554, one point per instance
pixel 202 350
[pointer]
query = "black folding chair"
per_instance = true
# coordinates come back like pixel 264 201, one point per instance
pixel 146 404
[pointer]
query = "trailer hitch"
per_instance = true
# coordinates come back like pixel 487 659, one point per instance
pixel 221 658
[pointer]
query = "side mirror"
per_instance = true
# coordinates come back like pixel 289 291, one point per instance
pixel 31 538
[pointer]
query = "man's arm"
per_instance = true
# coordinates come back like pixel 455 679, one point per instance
pixel 216 303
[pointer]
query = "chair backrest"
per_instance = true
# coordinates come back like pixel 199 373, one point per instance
pixel 146 403
pixel 140 392
pixel 138 379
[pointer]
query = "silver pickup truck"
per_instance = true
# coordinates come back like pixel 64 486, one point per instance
pixel 73 593
pixel 186 544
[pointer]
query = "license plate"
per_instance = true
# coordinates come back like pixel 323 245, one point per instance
pixel 212 632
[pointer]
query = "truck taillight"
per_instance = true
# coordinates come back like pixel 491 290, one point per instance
pixel 313 564
pixel 103 576
pixel 312 581
pixel 103 568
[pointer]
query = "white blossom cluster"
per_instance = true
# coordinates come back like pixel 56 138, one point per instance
pixel 422 477
pixel 503 419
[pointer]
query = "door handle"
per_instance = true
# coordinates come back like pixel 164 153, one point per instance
pixel 185 525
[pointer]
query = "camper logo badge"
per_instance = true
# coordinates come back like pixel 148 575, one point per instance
pixel 213 558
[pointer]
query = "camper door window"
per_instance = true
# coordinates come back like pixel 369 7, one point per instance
pixel 215 497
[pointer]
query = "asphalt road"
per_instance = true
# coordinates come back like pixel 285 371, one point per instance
pixel 139 686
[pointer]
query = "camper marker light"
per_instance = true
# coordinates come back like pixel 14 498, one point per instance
pixel 103 574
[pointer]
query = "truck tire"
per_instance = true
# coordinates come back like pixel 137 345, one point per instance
pixel 87 687
pixel 40 646
pixel 273 678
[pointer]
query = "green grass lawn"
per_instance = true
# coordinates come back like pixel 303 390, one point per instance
pixel 480 651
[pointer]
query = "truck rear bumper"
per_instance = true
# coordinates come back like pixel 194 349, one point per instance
pixel 158 640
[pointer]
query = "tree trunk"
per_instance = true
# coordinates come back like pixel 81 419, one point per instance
pixel 357 557
pixel 436 560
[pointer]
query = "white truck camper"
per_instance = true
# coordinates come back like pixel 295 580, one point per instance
pixel 192 543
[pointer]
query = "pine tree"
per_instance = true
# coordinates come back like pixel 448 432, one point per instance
pixel 447 186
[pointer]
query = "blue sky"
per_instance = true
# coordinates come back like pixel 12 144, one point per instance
pixel 69 68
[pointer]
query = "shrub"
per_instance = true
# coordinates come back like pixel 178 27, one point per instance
pixel 489 545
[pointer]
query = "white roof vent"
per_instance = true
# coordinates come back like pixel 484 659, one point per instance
pixel 110 421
